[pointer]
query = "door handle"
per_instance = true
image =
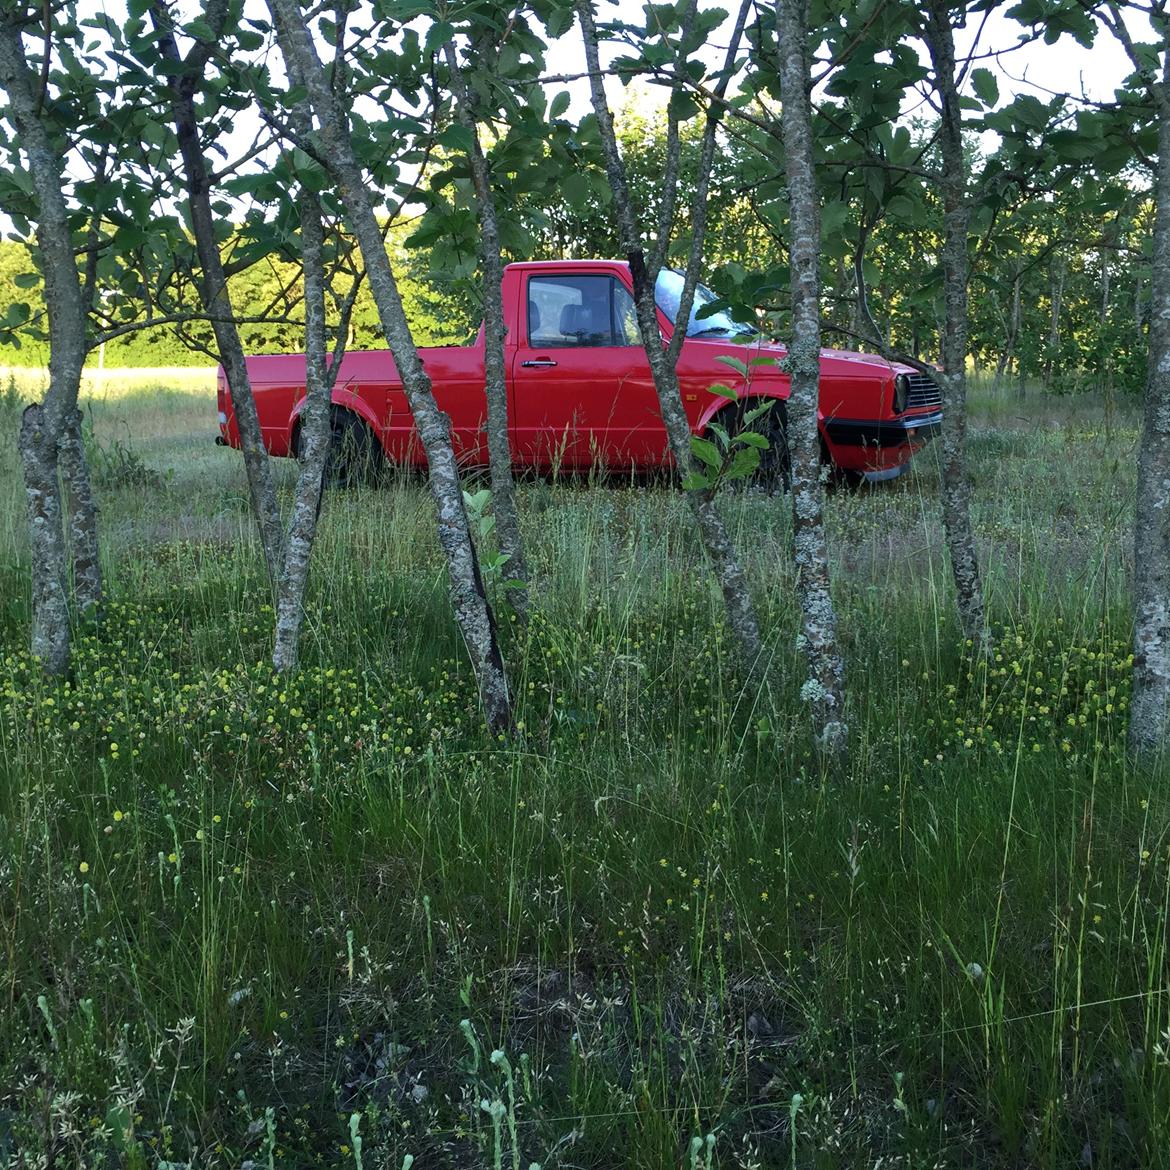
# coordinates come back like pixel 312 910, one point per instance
pixel 538 364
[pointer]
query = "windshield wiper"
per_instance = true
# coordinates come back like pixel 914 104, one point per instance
pixel 709 329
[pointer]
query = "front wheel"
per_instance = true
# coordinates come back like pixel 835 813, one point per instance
pixel 774 472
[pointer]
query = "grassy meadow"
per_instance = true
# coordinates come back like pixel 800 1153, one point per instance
pixel 323 920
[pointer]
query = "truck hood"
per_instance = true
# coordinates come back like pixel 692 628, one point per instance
pixel 851 361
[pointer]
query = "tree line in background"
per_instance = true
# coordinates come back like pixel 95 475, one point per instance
pixel 783 166
pixel 442 312
pixel 1060 297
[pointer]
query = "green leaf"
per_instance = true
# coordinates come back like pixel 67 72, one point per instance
pixel 733 362
pixel 753 439
pixel 456 137
pixel 985 86
pixel 577 191
pixel 26 279
pixel 200 30
pixel 759 411
pixel 438 35
pixel 746 460
pixel 695 482
pixel 902 206
pixel 724 391
pixel 477 501
pixel 683 107
pixel 833 217
pixel 560 104
pixel 706 451
pixel 121 1126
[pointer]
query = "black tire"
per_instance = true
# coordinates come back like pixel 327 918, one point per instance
pixel 355 456
pixel 775 470
pixel 842 479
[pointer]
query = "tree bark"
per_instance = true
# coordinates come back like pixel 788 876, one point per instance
pixel 1106 272
pixel 499 447
pixel 50 598
pixel 314 443
pixel 43 426
pixel 1149 717
pixel 83 518
pixel 1004 363
pixel 183 80
pixel 468 597
pixel 1057 288
pixel 716 541
pixel 824 689
pixel 956 484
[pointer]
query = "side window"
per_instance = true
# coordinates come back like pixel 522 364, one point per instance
pixel 625 317
pixel 582 311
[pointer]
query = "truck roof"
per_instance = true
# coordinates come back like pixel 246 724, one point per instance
pixel 562 263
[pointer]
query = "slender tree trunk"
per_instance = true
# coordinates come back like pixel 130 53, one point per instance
pixel 314 450
pixel 43 426
pixel 468 596
pixel 857 318
pixel 956 484
pixel 184 78
pixel 1149 718
pixel 1004 364
pixel 503 482
pixel 83 517
pixel 1058 274
pixel 824 690
pixel 50 597
pixel 713 532
pixel 1106 273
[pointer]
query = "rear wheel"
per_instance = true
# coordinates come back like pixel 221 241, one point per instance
pixel 354 454
pixel 775 469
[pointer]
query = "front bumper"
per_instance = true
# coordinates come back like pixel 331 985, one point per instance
pixel 886 432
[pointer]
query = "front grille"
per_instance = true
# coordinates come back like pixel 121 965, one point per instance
pixel 923 391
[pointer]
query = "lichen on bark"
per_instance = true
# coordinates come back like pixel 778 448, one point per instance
pixel 953 183
pixel 504 505
pixel 314 443
pixel 1149 714
pixel 44 425
pixel 824 689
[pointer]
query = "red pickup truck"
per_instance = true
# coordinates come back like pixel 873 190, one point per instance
pixel 580 393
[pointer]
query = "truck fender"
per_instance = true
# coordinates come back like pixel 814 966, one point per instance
pixel 719 404
pixel 347 400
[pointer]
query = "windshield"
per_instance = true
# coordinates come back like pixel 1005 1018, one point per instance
pixel 667 294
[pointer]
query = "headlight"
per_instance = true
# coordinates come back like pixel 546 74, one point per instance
pixel 901 390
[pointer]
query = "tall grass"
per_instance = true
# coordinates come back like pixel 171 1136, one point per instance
pixel 326 921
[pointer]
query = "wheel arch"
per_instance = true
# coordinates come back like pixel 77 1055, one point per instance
pixel 340 400
pixel 745 402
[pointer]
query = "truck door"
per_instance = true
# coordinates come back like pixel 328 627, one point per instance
pixel 581 384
